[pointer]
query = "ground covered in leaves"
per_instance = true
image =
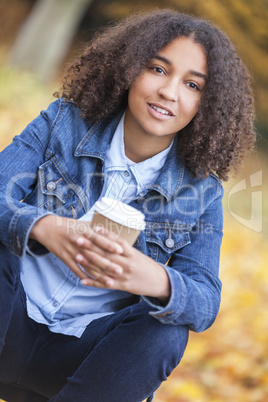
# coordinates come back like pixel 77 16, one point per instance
pixel 230 360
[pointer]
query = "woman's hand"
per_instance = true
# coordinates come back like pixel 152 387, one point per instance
pixel 134 272
pixel 64 237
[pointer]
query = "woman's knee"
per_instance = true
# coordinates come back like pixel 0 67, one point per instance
pixel 168 342
pixel 163 345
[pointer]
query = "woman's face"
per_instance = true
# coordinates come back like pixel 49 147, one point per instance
pixel 166 96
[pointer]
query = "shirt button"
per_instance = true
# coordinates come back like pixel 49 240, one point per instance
pixel 169 242
pixel 73 277
pixel 126 173
pixel 51 185
pixel 55 304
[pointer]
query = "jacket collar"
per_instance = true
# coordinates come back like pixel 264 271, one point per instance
pixel 96 141
pixel 171 175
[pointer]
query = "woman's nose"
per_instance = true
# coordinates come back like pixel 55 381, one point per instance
pixel 169 91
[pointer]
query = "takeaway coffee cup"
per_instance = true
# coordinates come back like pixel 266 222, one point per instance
pixel 123 220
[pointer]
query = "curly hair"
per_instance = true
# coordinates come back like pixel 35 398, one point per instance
pixel 221 133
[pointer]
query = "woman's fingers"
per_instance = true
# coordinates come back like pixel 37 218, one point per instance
pixel 107 242
pixel 77 270
pixel 104 282
pixel 102 255
pixel 91 256
pixel 92 261
pixel 105 234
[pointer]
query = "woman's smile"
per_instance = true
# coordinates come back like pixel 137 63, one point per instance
pixel 160 110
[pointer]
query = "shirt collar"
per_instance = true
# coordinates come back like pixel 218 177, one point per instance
pixel 115 156
pixel 145 172
pixel 97 140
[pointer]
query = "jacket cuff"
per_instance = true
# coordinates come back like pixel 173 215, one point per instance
pixel 20 228
pixel 169 314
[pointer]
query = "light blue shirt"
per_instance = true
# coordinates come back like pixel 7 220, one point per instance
pixel 55 296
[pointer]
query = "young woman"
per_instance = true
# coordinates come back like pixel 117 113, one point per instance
pixel 155 113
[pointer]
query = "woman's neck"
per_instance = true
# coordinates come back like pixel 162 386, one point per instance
pixel 136 152
pixel 141 145
pixel 138 148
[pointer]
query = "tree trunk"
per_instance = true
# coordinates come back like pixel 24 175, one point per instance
pixel 45 38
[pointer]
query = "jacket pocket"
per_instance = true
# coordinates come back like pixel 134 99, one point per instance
pixel 164 238
pixel 55 182
pixel 55 191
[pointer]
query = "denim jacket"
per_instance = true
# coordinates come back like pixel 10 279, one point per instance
pixel 55 166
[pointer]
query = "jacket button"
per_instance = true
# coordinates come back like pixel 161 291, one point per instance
pixel 51 185
pixel 169 242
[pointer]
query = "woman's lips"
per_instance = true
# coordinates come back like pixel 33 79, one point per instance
pixel 161 110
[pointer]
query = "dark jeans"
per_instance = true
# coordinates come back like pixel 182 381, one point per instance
pixel 123 357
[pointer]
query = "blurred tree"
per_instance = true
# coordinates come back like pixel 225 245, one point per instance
pixel 45 37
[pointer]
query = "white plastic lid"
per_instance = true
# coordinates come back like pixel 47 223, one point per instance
pixel 121 213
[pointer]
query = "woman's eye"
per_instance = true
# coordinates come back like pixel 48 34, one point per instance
pixel 157 70
pixel 193 85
